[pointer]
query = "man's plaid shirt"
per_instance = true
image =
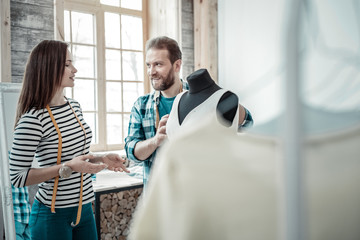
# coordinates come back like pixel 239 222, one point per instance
pixel 21 204
pixel 142 126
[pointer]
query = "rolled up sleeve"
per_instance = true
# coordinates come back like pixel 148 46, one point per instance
pixel 135 133
pixel 248 120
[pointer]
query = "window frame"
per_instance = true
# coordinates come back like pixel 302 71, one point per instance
pixel 94 7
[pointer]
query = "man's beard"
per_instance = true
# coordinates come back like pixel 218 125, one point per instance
pixel 167 82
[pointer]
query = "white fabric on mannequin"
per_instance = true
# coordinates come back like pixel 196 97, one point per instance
pixel 197 115
pixel 210 183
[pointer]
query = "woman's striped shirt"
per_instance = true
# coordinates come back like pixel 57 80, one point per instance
pixel 35 137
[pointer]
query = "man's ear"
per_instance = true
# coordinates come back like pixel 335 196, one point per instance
pixel 177 65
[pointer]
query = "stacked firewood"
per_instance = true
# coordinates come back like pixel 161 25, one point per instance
pixel 116 210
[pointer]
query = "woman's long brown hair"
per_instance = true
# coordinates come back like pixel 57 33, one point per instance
pixel 43 76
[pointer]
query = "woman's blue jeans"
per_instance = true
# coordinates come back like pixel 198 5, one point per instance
pixel 45 225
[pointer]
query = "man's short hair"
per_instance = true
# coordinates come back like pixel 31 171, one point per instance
pixel 164 42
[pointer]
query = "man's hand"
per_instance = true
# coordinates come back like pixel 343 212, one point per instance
pixel 160 135
pixel 144 149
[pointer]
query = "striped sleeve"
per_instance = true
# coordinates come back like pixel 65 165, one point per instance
pixel 26 138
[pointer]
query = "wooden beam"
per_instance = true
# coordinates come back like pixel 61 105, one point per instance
pixel 59 20
pixel 145 22
pixel 5 48
pixel 164 18
pixel 205 36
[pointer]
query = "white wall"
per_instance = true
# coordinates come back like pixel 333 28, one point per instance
pixel 252 63
pixel 250 53
pixel 252 50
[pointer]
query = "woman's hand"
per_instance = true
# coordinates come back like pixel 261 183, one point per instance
pixel 114 162
pixel 80 164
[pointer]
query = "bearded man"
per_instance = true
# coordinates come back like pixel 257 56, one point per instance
pixel 147 125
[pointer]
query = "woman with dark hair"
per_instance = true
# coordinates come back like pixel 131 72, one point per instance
pixel 50 128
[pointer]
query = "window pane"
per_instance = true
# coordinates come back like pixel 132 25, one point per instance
pixel 131 32
pixel 126 125
pixel 132 4
pixel 133 66
pixel 90 119
pixel 84 61
pixel 122 73
pixel 113 65
pixel 67 26
pixel 82 27
pixel 115 3
pixel 114 126
pixel 113 97
pixel 131 92
pixel 112 30
pixel 84 93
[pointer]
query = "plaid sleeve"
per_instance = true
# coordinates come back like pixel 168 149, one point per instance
pixel 135 132
pixel 248 120
pixel 21 204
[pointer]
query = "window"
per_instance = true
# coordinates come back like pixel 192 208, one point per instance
pixel 106 38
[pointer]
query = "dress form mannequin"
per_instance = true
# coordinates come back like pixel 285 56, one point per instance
pixel 202 86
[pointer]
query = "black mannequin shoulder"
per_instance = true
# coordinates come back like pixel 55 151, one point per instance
pixel 227 106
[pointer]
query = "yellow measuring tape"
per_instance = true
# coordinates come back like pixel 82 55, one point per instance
pixel 59 161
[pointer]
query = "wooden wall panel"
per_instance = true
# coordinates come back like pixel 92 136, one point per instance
pixel 205 43
pixel 187 37
pixel 31 22
pixel 5 60
pixel 164 18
